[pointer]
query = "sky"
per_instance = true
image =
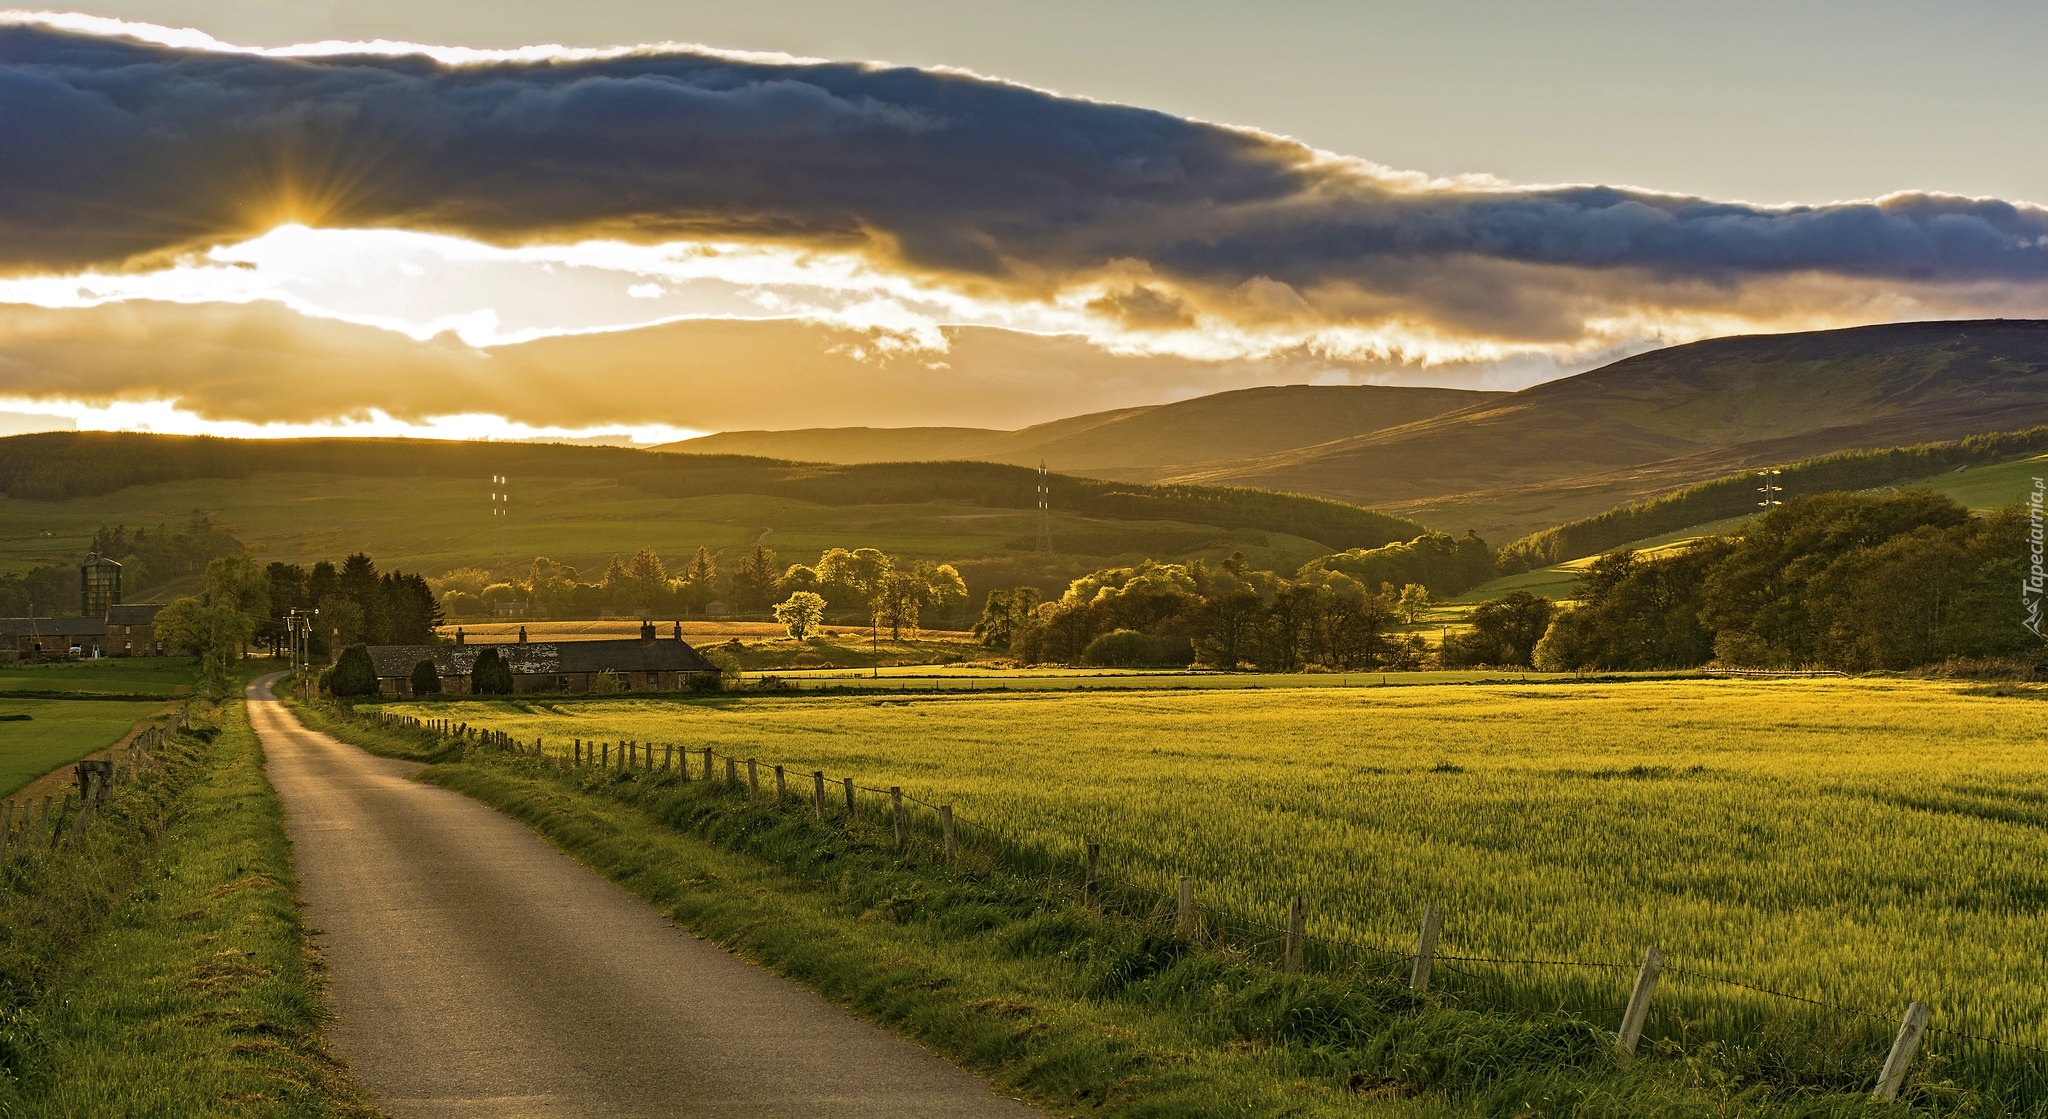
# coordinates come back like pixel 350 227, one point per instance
pixel 1198 195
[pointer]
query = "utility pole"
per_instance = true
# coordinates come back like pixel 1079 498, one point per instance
pixel 299 629
pixel 1770 489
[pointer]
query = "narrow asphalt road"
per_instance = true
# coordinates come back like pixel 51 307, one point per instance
pixel 475 971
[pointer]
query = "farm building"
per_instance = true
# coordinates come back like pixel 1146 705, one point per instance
pixel 124 631
pixel 105 627
pixel 651 663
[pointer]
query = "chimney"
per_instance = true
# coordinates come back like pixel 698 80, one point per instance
pixel 679 631
pixel 458 635
pixel 646 631
pixel 522 635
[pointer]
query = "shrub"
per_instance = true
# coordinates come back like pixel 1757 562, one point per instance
pixel 354 674
pixel 426 679
pixel 1124 648
pixel 490 675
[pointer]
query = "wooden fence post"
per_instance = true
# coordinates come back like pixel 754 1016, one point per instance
pixel 1296 930
pixel 579 751
pixel 57 828
pixel 896 813
pixel 946 828
pixel 753 781
pixel 43 825
pixel 668 758
pixel 1638 1011
pixel 707 763
pixel 780 790
pixel 732 773
pixel 818 792
pixel 1091 886
pixel 1425 949
pixel 88 801
pixel 607 759
pixel 849 800
pixel 1184 919
pixel 1903 1049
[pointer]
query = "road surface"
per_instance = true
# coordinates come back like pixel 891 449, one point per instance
pixel 475 971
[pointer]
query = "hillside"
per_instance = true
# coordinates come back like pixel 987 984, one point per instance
pixel 424 506
pixel 1136 444
pixel 1670 418
pixel 1983 473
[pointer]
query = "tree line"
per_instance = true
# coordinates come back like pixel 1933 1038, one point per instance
pixel 1847 581
pixel 893 592
pixel 358 604
pixel 1225 615
pixel 241 603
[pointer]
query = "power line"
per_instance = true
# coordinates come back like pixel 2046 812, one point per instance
pixel 500 509
pixel 1770 489
pixel 1044 509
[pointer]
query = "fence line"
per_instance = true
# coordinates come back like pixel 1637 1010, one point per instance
pixel 65 823
pixel 1196 921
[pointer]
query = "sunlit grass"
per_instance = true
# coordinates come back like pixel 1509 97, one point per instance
pixel 1865 842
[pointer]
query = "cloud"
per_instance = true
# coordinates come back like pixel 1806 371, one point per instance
pixel 116 152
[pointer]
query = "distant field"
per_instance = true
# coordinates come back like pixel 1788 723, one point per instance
pixel 57 732
pixel 1865 842
pixel 435 524
pixel 153 676
pixel 969 677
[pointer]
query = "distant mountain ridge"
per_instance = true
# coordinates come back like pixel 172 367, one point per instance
pixel 1125 444
pixel 1669 418
pixel 1506 464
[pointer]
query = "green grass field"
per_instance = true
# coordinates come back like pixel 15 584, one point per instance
pixel 158 967
pixel 153 676
pixel 58 732
pixel 1861 842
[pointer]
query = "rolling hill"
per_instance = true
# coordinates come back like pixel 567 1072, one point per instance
pixel 1133 444
pixel 424 505
pixel 1670 418
pixel 1507 464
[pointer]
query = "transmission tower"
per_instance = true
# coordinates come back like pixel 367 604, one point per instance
pixel 1770 489
pixel 500 509
pixel 1044 508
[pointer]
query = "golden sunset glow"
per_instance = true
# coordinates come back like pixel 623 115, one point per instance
pixel 497 210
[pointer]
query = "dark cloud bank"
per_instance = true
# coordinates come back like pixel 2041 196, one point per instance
pixel 114 152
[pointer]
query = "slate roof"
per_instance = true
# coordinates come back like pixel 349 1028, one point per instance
pixel 547 658
pixel 133 614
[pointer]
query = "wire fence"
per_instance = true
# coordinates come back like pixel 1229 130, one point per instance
pixel 1805 1042
pixel 32 829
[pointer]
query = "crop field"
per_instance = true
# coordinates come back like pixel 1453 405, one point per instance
pixel 1860 842
pixel 56 732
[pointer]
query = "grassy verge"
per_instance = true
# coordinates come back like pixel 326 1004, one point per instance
pixel 160 969
pixel 1080 1013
